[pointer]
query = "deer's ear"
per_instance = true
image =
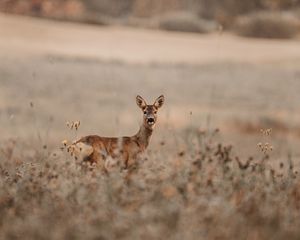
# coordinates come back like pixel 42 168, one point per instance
pixel 140 102
pixel 159 101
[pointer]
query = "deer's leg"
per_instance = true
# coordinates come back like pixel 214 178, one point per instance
pixel 125 160
pixel 88 158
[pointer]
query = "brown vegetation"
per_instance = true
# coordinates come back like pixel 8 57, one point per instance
pixel 189 184
pixel 174 15
pixel 267 25
pixel 53 8
pixel 185 22
pixel 202 191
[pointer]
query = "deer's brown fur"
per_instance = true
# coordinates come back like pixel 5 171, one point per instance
pixel 96 149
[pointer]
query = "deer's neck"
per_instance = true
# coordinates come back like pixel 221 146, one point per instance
pixel 143 136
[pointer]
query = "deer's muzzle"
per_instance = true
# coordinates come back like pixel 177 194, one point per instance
pixel 150 121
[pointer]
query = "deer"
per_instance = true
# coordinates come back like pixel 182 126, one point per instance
pixel 125 150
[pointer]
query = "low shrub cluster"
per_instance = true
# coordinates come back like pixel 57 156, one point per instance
pixel 200 190
pixel 248 18
pixel 185 22
pixel 267 25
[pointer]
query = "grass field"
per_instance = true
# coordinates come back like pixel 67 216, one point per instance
pixel 195 182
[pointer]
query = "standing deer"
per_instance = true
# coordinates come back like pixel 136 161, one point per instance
pixel 124 150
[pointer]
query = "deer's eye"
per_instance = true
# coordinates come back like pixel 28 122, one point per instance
pixel 155 112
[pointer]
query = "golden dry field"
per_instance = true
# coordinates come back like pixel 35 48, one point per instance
pixel 209 172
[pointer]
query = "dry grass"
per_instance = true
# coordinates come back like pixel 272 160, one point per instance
pixel 201 191
pixel 189 186
pixel 267 25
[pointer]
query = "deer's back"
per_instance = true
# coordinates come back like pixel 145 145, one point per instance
pixel 111 146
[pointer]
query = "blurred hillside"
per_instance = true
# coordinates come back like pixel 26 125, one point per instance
pixel 200 16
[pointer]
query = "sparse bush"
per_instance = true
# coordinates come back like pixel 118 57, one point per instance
pixel 150 8
pixel 115 8
pixel 141 12
pixel 267 25
pixel 212 8
pixel 186 22
pixel 57 9
pixel 203 189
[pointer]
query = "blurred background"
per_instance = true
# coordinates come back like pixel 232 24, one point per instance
pixel 231 64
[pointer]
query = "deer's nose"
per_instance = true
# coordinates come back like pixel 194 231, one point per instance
pixel 150 120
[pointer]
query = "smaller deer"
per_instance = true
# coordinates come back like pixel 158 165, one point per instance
pixel 122 150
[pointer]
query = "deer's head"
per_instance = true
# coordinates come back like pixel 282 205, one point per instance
pixel 150 111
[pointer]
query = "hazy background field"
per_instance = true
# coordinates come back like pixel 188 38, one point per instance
pixel 92 74
pixel 211 73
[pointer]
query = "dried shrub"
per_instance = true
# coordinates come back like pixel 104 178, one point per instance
pixel 211 8
pixel 94 11
pixel 185 22
pixel 114 8
pixel 267 25
pixel 201 189
pixel 150 8
pixel 44 8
